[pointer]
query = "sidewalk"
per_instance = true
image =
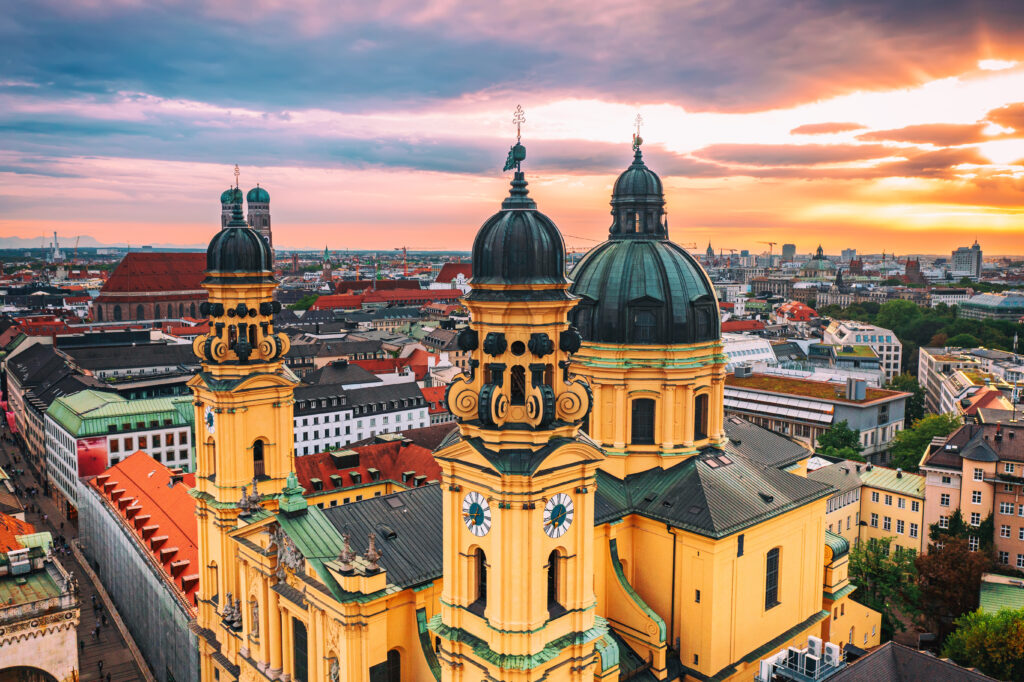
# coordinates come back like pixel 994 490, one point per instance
pixel 110 646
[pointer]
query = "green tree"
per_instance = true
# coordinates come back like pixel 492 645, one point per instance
pixel 886 582
pixel 909 444
pixel 949 579
pixel 991 642
pixel 897 314
pixel 304 303
pixel 840 441
pixel 915 403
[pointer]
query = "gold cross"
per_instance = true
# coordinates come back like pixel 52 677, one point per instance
pixel 519 118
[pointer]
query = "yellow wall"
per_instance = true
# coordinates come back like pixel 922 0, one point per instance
pixel 895 514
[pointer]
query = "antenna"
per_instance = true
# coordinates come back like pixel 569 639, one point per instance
pixel 236 176
pixel 637 140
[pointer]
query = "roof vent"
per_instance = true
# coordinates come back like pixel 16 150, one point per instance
pixel 766 497
pixel 899 472
pixel 695 509
pixel 387 532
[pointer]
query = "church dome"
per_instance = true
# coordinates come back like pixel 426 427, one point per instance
pixel 231 195
pixel 818 265
pixel 518 245
pixel 638 287
pixel 258 195
pixel 238 248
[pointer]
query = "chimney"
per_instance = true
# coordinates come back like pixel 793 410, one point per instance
pixel 899 472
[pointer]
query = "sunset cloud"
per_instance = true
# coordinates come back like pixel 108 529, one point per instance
pixel 382 122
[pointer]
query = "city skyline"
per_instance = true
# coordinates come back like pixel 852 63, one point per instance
pixel 867 126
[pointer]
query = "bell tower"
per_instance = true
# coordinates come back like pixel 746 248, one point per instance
pixel 518 481
pixel 244 415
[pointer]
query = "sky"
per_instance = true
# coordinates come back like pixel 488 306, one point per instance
pixel 872 124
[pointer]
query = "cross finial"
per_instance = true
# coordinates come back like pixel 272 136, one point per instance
pixel 236 176
pixel 637 140
pixel 519 118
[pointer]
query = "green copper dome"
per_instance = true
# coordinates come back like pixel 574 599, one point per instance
pixel 638 287
pixel 257 195
pixel 238 248
pixel 232 195
pixel 518 245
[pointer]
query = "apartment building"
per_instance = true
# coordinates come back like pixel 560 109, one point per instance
pixel 979 469
pixel 883 341
pixel 842 511
pixel 802 409
pixel 90 431
pixel 892 506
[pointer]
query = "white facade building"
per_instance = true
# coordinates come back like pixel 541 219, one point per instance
pixel 882 341
pixel 744 350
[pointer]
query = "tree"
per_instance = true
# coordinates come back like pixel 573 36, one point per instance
pixel 909 444
pixel 991 642
pixel 897 314
pixel 304 303
pixel 886 582
pixel 840 441
pixel 964 340
pixel 915 403
pixel 949 578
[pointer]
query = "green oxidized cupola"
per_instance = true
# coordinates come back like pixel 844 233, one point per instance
pixel 638 287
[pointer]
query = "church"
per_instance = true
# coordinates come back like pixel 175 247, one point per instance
pixel 597 518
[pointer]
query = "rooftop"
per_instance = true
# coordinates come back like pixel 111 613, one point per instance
pixel 92 413
pixel 893 480
pixel 1001 592
pixel 894 662
pixel 822 390
pixel 157 272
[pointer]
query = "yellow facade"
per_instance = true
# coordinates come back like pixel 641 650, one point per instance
pixel 514 578
pixel 893 511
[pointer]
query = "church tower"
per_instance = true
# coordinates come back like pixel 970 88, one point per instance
pixel 652 352
pixel 518 480
pixel 243 406
pixel 258 203
pixel 229 198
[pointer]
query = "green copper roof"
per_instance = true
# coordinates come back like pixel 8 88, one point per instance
pixel 93 413
pixel 257 195
pixel 232 195
pixel 840 545
pixel 894 481
pixel 997 596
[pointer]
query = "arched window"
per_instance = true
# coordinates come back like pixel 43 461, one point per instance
pixel 140 313
pixel 771 579
pixel 643 421
pixel 156 312
pixel 192 310
pixel 181 310
pixel 99 313
pixel 700 417
pixel 394 666
pixel 117 313
pixel 644 323
pixel 518 387
pixel 555 584
pixel 258 466
pixel 480 573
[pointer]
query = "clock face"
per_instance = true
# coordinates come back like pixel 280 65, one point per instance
pixel 208 418
pixel 476 514
pixel 558 514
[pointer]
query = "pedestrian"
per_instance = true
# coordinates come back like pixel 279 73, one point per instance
pixel 100 664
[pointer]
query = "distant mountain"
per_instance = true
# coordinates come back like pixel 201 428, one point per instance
pixel 85 241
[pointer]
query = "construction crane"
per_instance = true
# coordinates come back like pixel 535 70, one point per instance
pixel 75 258
pixel 770 245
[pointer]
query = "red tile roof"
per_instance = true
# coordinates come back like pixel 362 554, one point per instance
pixel 162 517
pixel 392 459
pixel 450 271
pixel 157 273
pixel 409 296
pixel 343 301
pixel 742 325
pixel 346 286
pixel 418 361
pixel 10 528
pixel 435 395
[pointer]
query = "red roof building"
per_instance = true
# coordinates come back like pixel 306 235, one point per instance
pixel 361 285
pixel 795 311
pixel 152 286
pixel 339 302
pixel 395 462
pixel 419 362
pixel 412 297
pixel 153 503
pixel 451 271
pixel 742 326
pixel 10 529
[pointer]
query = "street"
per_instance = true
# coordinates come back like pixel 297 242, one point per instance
pixel 106 650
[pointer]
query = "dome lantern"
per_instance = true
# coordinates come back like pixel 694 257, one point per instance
pixel 238 249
